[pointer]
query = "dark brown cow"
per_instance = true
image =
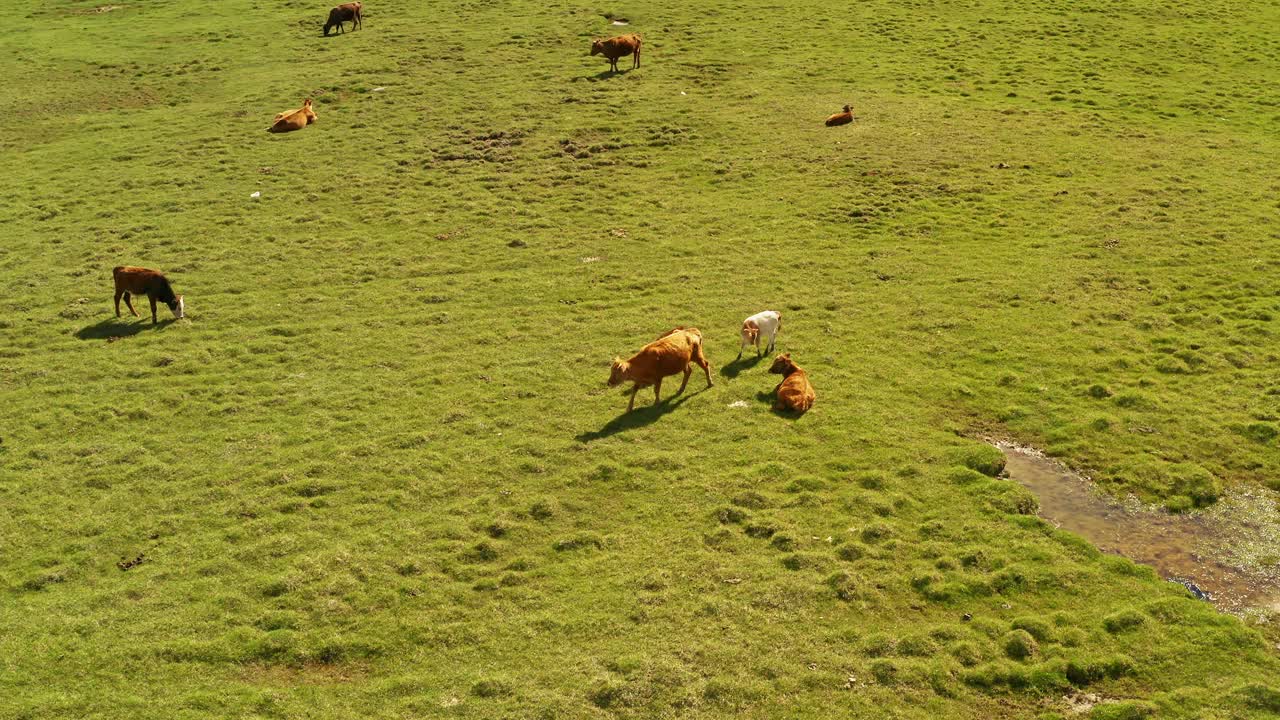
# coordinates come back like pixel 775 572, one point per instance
pixel 841 118
pixel 141 281
pixel 346 12
pixel 618 47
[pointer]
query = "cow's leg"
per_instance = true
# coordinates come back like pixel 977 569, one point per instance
pixel 657 390
pixel 635 59
pixel 702 363
pixel 118 294
pixel 153 309
pixel 128 300
pixel 687 372
pixel 634 389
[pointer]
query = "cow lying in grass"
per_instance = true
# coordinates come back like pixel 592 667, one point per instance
pixel 291 120
pixel 671 353
pixel 618 47
pixel 794 393
pixel 841 118
pixel 766 324
pixel 346 12
pixel 141 281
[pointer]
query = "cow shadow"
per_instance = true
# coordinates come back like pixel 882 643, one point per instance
pixel 735 368
pixel 769 397
pixel 640 417
pixel 606 74
pixel 117 328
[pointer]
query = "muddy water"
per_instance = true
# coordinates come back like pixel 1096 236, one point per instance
pixel 1202 550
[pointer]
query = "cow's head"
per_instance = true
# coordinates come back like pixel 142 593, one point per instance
pixel 597 47
pixel 750 331
pixel 178 307
pixel 782 365
pixel 618 372
pixel 306 109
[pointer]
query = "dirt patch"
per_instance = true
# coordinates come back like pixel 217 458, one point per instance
pixel 1226 555
pixel 1080 702
pixel 127 564
pixel 494 146
pixel 99 10
pixel 306 674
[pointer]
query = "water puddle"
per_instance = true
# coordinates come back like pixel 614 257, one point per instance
pixel 1228 554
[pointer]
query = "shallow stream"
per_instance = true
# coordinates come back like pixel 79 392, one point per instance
pixel 1228 555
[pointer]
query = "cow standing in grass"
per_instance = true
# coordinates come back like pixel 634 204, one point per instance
pixel 141 281
pixel 346 12
pixel 671 353
pixel 795 392
pixel 763 324
pixel 618 47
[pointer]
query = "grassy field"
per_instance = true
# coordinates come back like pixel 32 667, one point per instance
pixel 376 472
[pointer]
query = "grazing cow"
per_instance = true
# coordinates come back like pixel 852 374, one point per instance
pixel 346 12
pixel 291 120
pixel 841 118
pixel 618 47
pixel 794 393
pixel 766 323
pixel 671 353
pixel 141 281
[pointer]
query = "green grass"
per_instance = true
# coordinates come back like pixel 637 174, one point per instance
pixel 376 473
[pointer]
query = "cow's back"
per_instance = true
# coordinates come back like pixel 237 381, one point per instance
pixel 141 281
pixel 671 353
pixel 621 46
pixel 796 392
pixel 133 279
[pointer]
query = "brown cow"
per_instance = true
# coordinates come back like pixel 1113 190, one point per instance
pixel 841 118
pixel 618 47
pixel 290 120
pixel 671 353
pixel 794 393
pixel 141 281
pixel 346 12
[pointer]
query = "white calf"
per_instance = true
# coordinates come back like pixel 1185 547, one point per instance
pixel 766 324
